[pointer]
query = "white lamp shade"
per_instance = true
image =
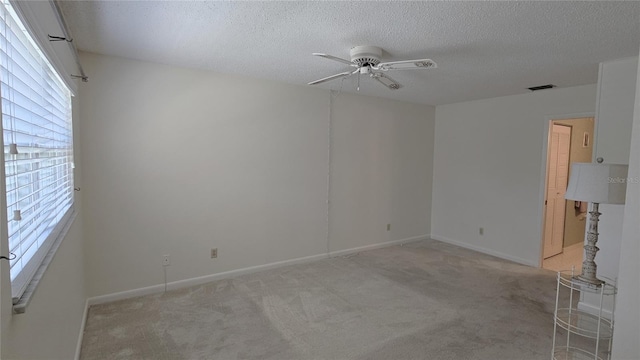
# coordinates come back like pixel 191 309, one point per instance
pixel 598 183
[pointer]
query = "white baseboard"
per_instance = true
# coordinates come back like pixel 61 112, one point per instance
pixel 483 250
pixel 154 289
pixel 81 334
pixel 592 309
pixel 377 246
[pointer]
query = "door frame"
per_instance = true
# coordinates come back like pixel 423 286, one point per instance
pixel 544 167
pixel 552 124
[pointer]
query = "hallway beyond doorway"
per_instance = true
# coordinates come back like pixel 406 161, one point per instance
pixel 570 256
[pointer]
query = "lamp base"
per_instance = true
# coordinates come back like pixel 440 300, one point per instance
pixel 589 266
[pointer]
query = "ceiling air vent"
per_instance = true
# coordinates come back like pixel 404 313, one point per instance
pixel 542 87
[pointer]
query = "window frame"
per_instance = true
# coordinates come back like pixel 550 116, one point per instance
pixel 25 283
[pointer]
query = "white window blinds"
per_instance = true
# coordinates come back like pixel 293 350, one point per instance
pixel 38 149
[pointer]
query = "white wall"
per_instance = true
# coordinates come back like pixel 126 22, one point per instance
pixel 626 337
pixel 489 169
pixel 179 161
pixel 50 326
pixel 381 171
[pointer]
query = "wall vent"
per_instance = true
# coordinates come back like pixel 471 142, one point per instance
pixel 542 87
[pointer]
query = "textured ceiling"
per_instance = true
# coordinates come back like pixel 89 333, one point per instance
pixel 483 49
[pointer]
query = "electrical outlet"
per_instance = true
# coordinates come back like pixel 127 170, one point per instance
pixel 481 231
pixel 388 227
pixel 214 253
pixel 166 260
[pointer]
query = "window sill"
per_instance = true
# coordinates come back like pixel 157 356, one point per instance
pixel 21 306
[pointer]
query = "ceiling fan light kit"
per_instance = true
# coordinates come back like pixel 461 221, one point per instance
pixel 366 60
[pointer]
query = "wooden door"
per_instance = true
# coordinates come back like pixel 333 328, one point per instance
pixel 557 177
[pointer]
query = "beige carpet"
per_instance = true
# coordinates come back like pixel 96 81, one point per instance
pixel 424 300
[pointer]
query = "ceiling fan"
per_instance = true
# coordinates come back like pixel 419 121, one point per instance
pixel 366 60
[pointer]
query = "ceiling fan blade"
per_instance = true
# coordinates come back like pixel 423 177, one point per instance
pixel 408 64
pixel 386 81
pixel 331 57
pixel 329 78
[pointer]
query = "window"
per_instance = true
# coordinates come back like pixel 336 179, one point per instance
pixel 38 149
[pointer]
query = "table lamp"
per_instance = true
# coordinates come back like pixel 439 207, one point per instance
pixel 597 184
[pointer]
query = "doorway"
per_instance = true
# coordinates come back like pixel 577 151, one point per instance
pixel 570 140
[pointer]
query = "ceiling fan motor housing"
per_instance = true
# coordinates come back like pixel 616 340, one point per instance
pixel 366 55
